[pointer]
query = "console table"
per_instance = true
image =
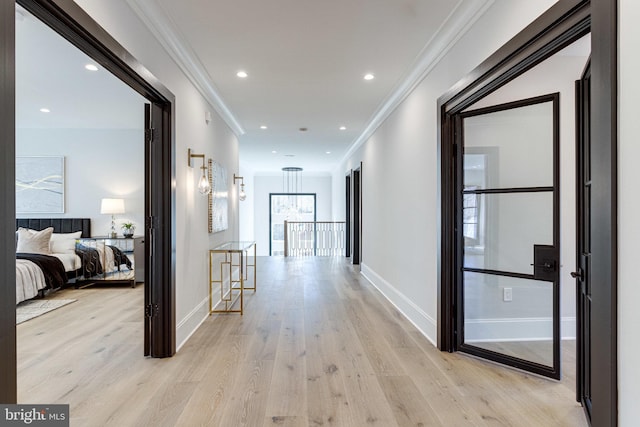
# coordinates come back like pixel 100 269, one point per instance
pixel 233 255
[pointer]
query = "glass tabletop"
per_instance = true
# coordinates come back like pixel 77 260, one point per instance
pixel 234 246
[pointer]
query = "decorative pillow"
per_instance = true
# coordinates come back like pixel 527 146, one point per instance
pixel 34 242
pixel 64 243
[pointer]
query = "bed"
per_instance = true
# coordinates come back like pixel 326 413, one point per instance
pixel 50 256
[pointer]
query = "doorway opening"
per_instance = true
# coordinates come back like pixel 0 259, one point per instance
pixel 76 26
pixel 564 24
pixel 347 215
pixel 94 124
pixel 354 216
pixel 289 207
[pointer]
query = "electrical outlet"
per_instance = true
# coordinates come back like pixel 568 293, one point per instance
pixel 507 294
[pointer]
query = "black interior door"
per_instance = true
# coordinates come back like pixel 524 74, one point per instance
pixel 583 240
pixel 348 216
pixel 357 217
pixel 148 297
pixel 159 329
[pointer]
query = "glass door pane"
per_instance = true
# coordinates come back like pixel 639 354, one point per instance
pixel 520 327
pixel 509 234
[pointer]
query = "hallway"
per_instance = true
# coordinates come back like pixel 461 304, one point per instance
pixel 318 345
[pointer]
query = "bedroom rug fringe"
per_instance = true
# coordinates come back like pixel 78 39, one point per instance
pixel 30 309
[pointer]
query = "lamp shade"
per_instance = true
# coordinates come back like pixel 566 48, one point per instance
pixel 112 206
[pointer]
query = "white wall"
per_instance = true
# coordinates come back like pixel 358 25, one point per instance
pixel 628 208
pixel 99 163
pixel 263 185
pixel 400 182
pixel 215 140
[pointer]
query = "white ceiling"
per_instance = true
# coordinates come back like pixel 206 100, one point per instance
pixel 305 60
pixel 50 74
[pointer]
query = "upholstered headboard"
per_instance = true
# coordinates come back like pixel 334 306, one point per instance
pixel 60 225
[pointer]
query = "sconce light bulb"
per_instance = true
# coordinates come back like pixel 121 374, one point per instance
pixel 242 195
pixel 203 185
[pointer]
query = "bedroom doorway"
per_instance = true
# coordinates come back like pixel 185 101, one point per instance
pixel 133 123
pixel 74 25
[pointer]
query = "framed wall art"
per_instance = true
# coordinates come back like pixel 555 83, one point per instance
pixel 39 184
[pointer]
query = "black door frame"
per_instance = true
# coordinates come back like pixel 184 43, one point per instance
pixel 348 215
pixel 562 24
pixel 74 24
pixel 356 180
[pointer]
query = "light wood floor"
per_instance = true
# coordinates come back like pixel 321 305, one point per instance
pixel 317 346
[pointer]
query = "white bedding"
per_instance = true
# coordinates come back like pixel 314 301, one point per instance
pixel 71 262
pixel 29 277
pixel 29 280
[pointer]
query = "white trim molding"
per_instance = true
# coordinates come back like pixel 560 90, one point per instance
pixel 167 33
pixel 414 314
pixel 517 329
pixel 191 322
pixel 459 21
pixel 196 317
pixel 464 15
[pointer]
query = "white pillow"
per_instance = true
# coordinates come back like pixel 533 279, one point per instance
pixel 34 242
pixel 64 243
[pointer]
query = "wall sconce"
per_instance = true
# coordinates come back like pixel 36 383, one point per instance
pixel 242 195
pixel 203 185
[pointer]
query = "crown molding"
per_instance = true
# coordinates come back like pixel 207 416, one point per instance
pixel 466 13
pixel 167 33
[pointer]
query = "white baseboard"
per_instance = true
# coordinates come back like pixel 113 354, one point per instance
pixel 196 317
pixel 191 322
pixel 517 329
pixel 530 329
pixel 421 320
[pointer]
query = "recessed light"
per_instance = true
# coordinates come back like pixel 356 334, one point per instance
pixel 328 152
pixel 343 128
pixel 263 127
pixel 45 110
pixel 242 74
pixel 91 67
pixel 274 152
pixel 369 76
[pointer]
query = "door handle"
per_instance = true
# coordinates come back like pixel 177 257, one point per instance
pixel 545 263
pixel 577 274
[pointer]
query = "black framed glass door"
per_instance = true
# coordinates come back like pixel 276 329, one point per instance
pixel 508 234
pixel 288 207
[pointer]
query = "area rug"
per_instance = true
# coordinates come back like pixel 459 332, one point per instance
pixel 30 309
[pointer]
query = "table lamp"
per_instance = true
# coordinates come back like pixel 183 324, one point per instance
pixel 112 207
